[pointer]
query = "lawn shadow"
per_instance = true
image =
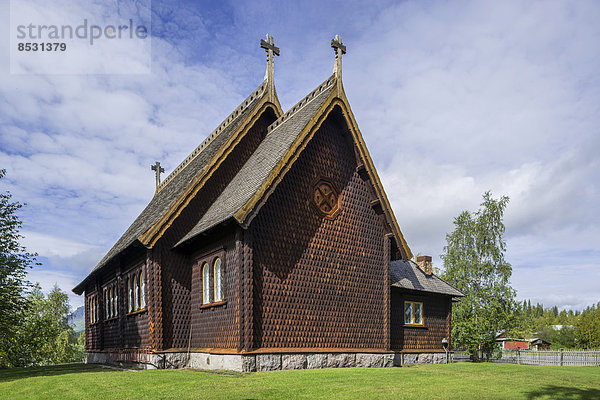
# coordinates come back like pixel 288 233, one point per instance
pixel 12 374
pixel 567 393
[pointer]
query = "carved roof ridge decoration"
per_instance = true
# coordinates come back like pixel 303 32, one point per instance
pixel 194 165
pixel 327 83
pixel 408 275
pixel 281 136
pixel 268 87
pixel 244 195
pixel 222 126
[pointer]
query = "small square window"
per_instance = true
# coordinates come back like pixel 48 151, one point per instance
pixel 413 313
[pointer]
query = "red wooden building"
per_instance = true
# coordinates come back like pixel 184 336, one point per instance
pixel 272 245
pixel 508 344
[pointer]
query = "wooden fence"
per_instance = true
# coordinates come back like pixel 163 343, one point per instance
pixel 575 358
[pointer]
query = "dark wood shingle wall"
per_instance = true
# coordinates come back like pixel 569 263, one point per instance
pixel 177 268
pixel 319 282
pixel 435 322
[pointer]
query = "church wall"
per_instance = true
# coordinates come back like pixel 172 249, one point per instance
pixel 124 330
pixel 214 324
pixel 319 281
pixel 177 268
pixel 92 330
pixel 134 329
pixel 436 322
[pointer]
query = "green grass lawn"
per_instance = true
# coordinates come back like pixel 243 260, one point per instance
pixel 454 381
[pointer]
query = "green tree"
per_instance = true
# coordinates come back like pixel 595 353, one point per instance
pixel 44 336
pixel 564 338
pixel 14 263
pixel 474 263
pixel 587 328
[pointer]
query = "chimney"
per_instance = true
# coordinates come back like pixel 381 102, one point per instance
pixel 424 262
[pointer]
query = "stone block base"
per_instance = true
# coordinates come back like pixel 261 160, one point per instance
pixel 266 362
pixel 424 358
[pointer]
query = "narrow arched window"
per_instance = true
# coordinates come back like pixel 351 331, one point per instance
pixel 106 313
pixel 91 310
pixel 136 289
pixel 116 313
pixel 113 305
pixel 142 290
pixel 217 280
pixel 95 309
pixel 139 291
pixel 111 302
pixel 205 283
pixel 128 293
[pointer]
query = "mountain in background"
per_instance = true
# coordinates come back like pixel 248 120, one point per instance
pixel 77 319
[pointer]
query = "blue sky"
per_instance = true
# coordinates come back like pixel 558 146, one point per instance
pixel 453 99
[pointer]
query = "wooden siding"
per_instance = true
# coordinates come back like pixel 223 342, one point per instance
pixel 318 281
pixel 436 319
pixel 214 326
pixel 125 330
pixel 176 268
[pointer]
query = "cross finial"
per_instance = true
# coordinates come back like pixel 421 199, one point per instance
pixel 158 170
pixel 339 48
pixel 271 49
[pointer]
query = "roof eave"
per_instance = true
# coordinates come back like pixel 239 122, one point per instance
pixel 336 97
pixel 155 232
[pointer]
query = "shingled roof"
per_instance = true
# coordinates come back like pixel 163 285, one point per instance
pixel 408 275
pixel 252 176
pixel 257 177
pixel 182 176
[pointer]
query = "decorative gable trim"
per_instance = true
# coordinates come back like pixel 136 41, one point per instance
pixel 336 98
pixel 155 232
pixel 257 94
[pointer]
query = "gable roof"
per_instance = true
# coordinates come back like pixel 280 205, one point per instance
pixel 286 138
pixel 256 180
pixel 186 176
pixel 408 275
pixel 253 175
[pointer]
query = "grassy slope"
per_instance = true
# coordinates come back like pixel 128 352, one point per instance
pixel 455 381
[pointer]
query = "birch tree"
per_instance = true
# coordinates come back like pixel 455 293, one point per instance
pixel 474 263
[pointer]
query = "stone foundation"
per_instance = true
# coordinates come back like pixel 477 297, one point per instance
pixel 267 362
pixel 424 358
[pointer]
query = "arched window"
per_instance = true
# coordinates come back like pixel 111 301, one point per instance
pixel 106 311
pixel 136 290
pixel 112 302
pixel 217 280
pixel 116 308
pixel 91 310
pixel 139 291
pixel 142 291
pixel 95 300
pixel 205 283
pixel 129 292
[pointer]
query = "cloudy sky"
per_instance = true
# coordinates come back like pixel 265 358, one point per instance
pixel 453 99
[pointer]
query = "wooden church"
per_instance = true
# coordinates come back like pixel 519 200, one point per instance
pixel 271 246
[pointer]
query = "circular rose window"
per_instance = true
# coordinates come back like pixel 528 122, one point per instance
pixel 325 197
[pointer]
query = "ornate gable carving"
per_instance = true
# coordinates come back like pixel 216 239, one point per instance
pixel 326 197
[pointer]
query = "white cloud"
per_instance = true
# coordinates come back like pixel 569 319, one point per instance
pixel 52 246
pixel 553 285
pixel 453 99
pixel 47 278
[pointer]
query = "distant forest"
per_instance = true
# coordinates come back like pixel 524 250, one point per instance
pixel 579 329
